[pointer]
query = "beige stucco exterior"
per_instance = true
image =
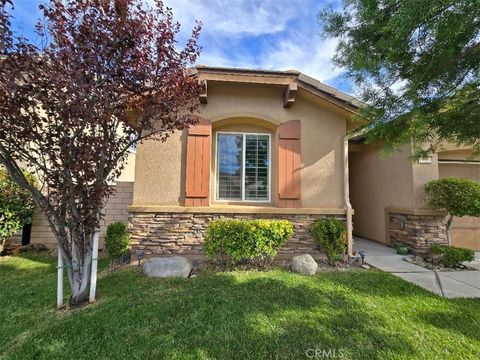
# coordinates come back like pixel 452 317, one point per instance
pixel 245 107
pixel 249 101
pixel 379 182
pixel 381 185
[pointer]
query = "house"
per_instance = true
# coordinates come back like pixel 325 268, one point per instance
pixel 268 144
pixel 114 210
pixel 387 193
pixel 278 144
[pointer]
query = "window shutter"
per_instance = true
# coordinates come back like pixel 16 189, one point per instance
pixel 289 166
pixel 198 164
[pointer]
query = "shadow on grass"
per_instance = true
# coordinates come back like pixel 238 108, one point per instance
pixel 227 316
pixel 421 307
pixel 381 284
pixel 456 318
pixel 241 316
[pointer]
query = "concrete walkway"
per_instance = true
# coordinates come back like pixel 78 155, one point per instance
pixel 449 284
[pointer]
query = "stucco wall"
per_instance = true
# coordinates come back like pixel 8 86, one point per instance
pixel 422 174
pixel 378 182
pixel 160 167
pixel 463 155
pixel 114 210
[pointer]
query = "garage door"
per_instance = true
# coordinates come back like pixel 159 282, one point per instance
pixel 466 230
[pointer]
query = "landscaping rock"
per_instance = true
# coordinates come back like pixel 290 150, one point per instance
pixel 304 264
pixel 433 263
pixel 33 248
pixel 420 262
pixel 176 266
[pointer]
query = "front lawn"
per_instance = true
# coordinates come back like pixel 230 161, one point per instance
pixel 237 315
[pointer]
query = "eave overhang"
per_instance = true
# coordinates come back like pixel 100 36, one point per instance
pixel 290 80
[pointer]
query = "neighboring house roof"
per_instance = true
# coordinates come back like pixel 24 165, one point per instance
pixel 291 79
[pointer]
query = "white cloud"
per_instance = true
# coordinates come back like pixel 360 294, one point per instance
pixel 309 55
pixel 238 17
pixel 269 34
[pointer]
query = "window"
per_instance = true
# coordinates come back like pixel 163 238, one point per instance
pixel 243 167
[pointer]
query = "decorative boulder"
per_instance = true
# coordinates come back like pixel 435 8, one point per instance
pixel 33 248
pixel 304 264
pixel 176 266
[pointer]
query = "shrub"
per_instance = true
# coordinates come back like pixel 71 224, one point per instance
pixel 117 241
pixel 459 197
pixel 331 235
pixel 16 205
pixel 452 256
pixel 255 240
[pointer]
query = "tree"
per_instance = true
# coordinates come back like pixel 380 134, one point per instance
pixel 416 65
pixel 459 197
pixel 109 75
pixel 16 205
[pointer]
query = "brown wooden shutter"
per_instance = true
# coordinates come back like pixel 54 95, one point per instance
pixel 197 182
pixel 289 165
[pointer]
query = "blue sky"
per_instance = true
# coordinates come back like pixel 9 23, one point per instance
pixel 262 34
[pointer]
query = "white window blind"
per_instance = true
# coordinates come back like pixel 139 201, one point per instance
pixel 243 167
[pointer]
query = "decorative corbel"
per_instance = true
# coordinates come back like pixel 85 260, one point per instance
pixel 290 94
pixel 203 95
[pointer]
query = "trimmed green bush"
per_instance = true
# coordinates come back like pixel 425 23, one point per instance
pixel 117 241
pixel 331 235
pixel 235 240
pixel 452 256
pixel 459 197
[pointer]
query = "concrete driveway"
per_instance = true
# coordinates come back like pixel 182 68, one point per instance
pixel 449 284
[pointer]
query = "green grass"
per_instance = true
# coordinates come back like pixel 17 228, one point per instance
pixel 237 315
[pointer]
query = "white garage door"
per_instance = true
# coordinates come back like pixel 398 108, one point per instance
pixel 466 230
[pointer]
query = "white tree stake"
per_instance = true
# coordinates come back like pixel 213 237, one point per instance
pixel 60 280
pixel 93 279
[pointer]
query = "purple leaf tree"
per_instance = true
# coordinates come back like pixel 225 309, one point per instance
pixel 107 75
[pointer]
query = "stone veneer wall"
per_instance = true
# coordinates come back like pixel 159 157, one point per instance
pixel 182 233
pixel 114 210
pixel 418 232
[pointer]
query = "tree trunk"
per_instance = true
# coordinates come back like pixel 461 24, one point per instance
pixel 78 262
pixel 75 243
pixel 80 279
pixel 449 229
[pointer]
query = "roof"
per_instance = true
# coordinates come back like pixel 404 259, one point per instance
pixel 304 81
pixel 329 89
pixel 247 70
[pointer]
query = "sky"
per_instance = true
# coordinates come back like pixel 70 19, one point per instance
pixel 258 34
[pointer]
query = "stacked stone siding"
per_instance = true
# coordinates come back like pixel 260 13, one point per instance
pixel 182 233
pixel 418 232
